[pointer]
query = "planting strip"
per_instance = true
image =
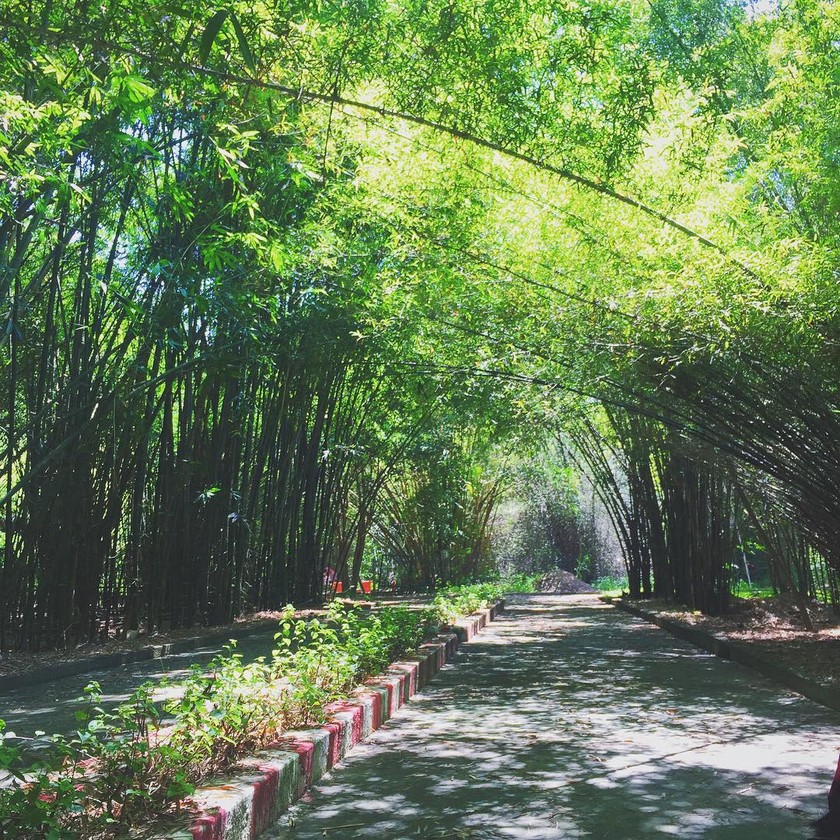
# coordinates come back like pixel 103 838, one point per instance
pixel 243 806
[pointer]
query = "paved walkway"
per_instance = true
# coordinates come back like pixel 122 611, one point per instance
pixel 569 719
pixel 51 706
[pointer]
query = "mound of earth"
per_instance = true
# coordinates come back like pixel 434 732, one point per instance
pixel 559 582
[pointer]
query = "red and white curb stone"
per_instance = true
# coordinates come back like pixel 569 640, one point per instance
pixel 243 806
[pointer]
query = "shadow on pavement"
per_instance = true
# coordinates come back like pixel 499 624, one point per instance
pixel 568 719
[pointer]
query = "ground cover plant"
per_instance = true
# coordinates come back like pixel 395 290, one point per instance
pixel 610 585
pixel 451 602
pixel 141 760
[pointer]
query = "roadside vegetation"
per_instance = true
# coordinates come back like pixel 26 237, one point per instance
pixel 139 761
pixel 610 585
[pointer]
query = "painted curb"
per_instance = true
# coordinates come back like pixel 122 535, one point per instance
pixel 723 647
pixel 243 806
pixel 112 661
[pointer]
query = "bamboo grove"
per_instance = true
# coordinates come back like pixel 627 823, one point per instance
pixel 284 286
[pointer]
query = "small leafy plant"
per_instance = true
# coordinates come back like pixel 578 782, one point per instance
pixel 455 601
pixel 142 759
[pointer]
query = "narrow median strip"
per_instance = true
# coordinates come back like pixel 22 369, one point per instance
pixel 244 805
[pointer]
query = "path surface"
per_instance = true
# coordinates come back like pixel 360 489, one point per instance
pixel 569 719
pixel 50 706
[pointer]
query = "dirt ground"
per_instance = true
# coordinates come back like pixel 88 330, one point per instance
pixel 774 628
pixel 559 582
pixel 21 662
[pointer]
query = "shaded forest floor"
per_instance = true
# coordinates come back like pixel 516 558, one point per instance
pixel 773 629
pixel 23 662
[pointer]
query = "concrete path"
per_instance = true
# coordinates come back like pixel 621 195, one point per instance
pixel 569 719
pixel 51 706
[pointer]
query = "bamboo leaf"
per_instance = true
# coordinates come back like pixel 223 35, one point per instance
pixel 210 33
pixel 247 55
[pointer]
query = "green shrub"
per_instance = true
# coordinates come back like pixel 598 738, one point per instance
pixel 454 602
pixel 123 767
pixel 108 774
pixel 610 584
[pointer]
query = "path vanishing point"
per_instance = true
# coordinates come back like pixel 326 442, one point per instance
pixel 569 719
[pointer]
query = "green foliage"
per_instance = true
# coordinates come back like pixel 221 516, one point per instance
pixel 742 589
pixel 455 601
pixel 109 773
pixel 610 585
pixel 435 515
pixel 125 766
pixel 551 521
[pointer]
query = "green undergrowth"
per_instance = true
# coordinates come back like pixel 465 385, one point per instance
pixel 455 601
pixel 611 585
pixel 742 589
pixel 125 766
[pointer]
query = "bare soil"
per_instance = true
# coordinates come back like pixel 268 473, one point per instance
pixel 774 629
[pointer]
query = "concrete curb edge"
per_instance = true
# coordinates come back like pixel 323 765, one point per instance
pixel 243 806
pixel 720 646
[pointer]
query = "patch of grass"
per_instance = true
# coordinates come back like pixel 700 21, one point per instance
pixel 742 589
pixel 610 585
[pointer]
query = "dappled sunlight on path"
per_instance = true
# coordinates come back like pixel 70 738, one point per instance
pixel 568 719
